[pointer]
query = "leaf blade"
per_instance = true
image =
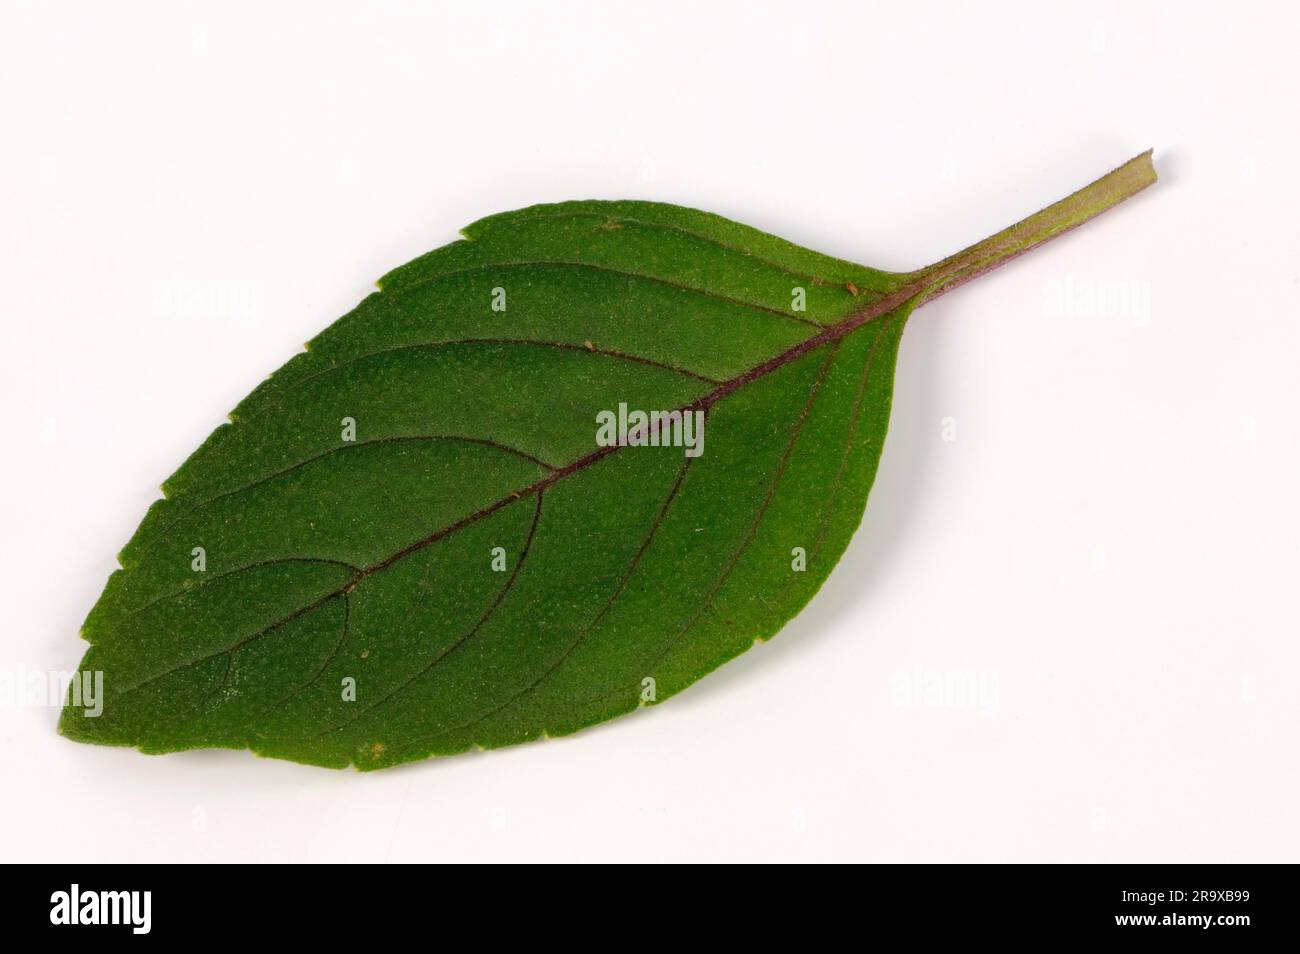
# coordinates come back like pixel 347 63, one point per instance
pixel 409 335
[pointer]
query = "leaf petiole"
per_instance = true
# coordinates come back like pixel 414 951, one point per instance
pixel 1090 201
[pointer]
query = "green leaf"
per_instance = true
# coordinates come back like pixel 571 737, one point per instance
pixel 408 541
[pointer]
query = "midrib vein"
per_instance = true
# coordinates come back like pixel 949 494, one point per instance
pixel 835 332
pixel 724 388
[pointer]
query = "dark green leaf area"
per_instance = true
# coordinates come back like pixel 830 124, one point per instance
pixel 467 567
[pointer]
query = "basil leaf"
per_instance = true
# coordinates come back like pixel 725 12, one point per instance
pixel 447 525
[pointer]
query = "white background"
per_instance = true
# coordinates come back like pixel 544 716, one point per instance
pixel 1111 543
